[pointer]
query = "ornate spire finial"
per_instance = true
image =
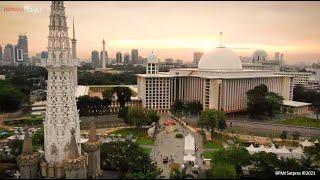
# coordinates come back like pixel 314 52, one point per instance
pixel 92 132
pixel 73 149
pixel 220 39
pixel 74 32
pixel 27 143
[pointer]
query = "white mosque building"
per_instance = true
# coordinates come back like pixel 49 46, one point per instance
pixel 219 82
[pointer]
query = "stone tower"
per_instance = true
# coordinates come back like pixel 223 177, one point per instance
pixel 28 161
pixel 93 148
pixel 75 164
pixel 61 112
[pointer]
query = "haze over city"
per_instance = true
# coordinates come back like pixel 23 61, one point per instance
pixel 175 29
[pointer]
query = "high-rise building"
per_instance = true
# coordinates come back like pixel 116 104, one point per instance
pixel 8 54
pixel 106 58
pixel 277 56
pixel 103 55
pixel 197 56
pixel 135 56
pixel 118 58
pixel 61 125
pixel 168 61
pixel 95 58
pixel 22 50
pixel 1 57
pixel 126 58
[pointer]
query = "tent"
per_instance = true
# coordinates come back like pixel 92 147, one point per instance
pixel 273 149
pixel 316 141
pixel 189 158
pixel 284 152
pixel 297 153
pixel 261 148
pixel 306 143
pixel 189 145
pixel 252 149
pixel 151 131
pixel 83 140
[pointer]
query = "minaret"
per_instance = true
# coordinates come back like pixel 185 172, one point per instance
pixel 93 148
pixel 61 111
pixel 75 164
pixel 103 55
pixel 152 64
pixel 28 161
pixel 74 53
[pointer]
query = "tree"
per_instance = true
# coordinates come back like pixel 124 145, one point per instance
pixel 266 164
pixel 38 137
pixel 177 108
pixel 108 97
pixel 283 135
pixel 313 152
pixel 10 97
pixel 177 174
pixel 123 95
pixel 211 119
pixel 316 104
pixel 295 136
pixel 16 147
pixel 222 171
pixel 263 103
pixel 127 158
pixel 136 116
pixel 152 116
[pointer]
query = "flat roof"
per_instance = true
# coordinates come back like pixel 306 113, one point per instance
pixel 295 103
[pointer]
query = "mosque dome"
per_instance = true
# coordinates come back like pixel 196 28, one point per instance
pixel 220 59
pixel 152 58
pixel 259 56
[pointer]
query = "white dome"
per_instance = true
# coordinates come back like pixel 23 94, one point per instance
pixel 220 59
pixel 152 58
pixel 259 55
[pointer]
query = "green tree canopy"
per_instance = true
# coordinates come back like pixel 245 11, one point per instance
pixel 211 119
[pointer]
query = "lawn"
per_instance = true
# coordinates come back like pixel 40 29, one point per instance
pixel 301 121
pixel 145 141
pixel 212 145
pixel 209 154
pixel 135 131
pixel 147 150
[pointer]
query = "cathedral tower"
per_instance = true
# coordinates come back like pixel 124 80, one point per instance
pixel 61 111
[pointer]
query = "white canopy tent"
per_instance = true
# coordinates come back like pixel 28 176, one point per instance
pixel 306 143
pixel 297 153
pixel 252 149
pixel 189 158
pixel 151 131
pixel 284 152
pixel 316 141
pixel 261 148
pixel 189 145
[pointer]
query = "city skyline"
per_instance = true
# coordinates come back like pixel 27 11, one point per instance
pixel 246 26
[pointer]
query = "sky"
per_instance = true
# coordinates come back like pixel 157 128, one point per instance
pixel 173 29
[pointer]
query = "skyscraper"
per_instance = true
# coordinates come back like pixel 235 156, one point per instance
pixel 1 57
pixel 126 58
pixel 134 56
pixel 277 56
pixel 196 57
pixel 8 54
pixel 103 55
pixel 118 58
pixel 22 50
pixel 95 59
pixel 62 120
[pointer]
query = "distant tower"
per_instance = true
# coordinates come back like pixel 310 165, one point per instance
pixel 0 54
pixel 22 49
pixel 134 56
pixel 93 148
pixel 28 161
pixel 152 64
pixel 103 55
pixel 74 54
pixel 126 58
pixel 95 59
pixel 118 58
pixel 61 111
pixel 75 164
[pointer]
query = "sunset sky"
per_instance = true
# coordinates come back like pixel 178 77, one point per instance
pixel 174 29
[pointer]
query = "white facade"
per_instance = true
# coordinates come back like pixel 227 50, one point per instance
pixel 215 84
pixel 299 78
pixel 61 111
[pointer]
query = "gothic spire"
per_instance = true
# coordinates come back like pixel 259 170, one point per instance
pixel 73 34
pixel 92 132
pixel 27 143
pixel 73 149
